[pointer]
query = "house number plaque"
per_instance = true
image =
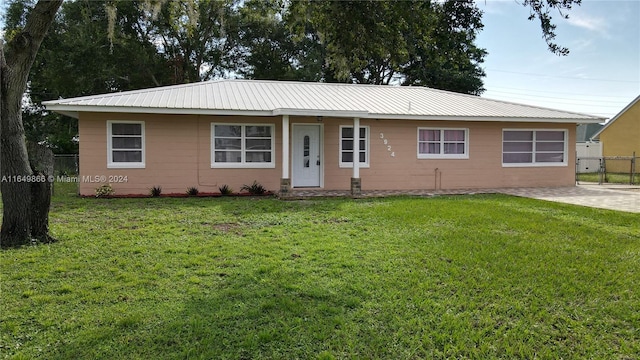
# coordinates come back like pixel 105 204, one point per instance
pixel 386 143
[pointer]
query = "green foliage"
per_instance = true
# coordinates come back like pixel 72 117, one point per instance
pixel 459 277
pixel 225 190
pixel 155 191
pixel 254 189
pixel 541 9
pixel 420 43
pixel 192 191
pixel 410 42
pixel 104 190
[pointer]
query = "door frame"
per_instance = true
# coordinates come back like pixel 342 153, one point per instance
pixel 320 152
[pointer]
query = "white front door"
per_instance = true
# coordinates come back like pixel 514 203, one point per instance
pixel 306 161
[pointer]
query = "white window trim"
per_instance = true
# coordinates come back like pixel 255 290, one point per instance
pixel 366 148
pixel 443 156
pixel 243 164
pixel 533 163
pixel 124 165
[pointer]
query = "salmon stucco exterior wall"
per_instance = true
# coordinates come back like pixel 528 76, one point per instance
pixel 178 155
pixel 622 138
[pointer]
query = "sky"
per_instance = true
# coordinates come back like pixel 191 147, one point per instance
pixel 601 74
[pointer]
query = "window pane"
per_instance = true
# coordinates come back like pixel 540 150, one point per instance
pixel 518 135
pixel 454 148
pixel 126 142
pixel 363 157
pixel 347 144
pixel 258 131
pixel 127 156
pixel 363 133
pixel 517 158
pixel 228 144
pixel 517 146
pixel 228 156
pixel 126 129
pixel 258 156
pixel 347 157
pixel 347 132
pixel 454 135
pixel 549 157
pixel 363 144
pixel 549 146
pixel 306 146
pixel 429 135
pixel 228 130
pixel 258 144
pixel 550 135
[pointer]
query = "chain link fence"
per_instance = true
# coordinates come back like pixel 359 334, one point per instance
pixel 66 165
pixel 608 169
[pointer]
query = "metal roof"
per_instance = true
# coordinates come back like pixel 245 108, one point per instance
pixel 271 98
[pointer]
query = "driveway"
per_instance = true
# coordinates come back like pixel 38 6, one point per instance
pixel 612 197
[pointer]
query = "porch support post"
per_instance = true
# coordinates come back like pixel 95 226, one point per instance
pixel 356 185
pixel 285 181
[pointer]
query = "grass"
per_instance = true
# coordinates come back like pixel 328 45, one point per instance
pixel 611 178
pixel 479 277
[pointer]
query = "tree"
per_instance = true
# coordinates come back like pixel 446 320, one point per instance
pixel 192 35
pixel 408 42
pixel 266 48
pixel 541 9
pixel 77 44
pixel 21 201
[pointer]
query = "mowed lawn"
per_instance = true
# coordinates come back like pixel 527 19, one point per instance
pixel 478 277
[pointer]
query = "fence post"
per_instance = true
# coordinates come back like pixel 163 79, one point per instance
pixel 633 169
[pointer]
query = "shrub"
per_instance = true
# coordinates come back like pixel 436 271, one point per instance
pixel 225 190
pixel 104 190
pixel 155 191
pixel 192 191
pixel 254 189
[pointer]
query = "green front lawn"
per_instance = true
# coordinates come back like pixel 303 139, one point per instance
pixel 485 276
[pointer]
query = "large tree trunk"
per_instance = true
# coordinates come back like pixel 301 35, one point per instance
pixel 41 160
pixel 19 213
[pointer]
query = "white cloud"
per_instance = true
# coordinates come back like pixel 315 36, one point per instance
pixel 588 22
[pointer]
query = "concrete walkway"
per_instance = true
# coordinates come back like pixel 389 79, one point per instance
pixel 612 197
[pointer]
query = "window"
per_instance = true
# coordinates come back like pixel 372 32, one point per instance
pixel 346 146
pixel 443 143
pixel 242 146
pixel 125 144
pixel 534 147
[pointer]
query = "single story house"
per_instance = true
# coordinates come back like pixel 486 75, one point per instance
pixel 301 135
pixel 620 137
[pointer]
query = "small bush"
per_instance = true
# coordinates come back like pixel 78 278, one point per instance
pixel 104 190
pixel 155 191
pixel 192 191
pixel 254 189
pixel 225 190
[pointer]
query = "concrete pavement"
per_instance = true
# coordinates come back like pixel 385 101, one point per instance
pixel 612 197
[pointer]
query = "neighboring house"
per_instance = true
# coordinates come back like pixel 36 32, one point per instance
pixel 585 132
pixel 301 135
pixel 620 137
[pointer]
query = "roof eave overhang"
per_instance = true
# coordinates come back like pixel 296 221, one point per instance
pixel 75 110
pixel 488 118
